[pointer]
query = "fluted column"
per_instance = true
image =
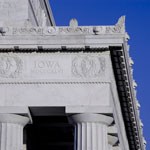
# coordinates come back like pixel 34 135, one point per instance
pixel 91 131
pixel 11 131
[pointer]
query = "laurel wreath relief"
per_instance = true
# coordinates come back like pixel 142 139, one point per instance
pixel 10 67
pixel 88 66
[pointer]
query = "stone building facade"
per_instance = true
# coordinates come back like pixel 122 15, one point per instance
pixel 64 87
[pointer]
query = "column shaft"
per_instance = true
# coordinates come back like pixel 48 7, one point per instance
pixel 11 133
pixel 11 136
pixel 91 131
pixel 91 136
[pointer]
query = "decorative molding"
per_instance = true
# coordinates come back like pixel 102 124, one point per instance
pixel 69 30
pixel 73 29
pixel 48 31
pixel 48 82
pixel 27 31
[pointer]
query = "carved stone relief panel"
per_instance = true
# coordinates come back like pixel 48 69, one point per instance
pixel 10 66
pixel 88 66
pixel 54 67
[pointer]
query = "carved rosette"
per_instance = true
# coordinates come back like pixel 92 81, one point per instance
pixel 10 66
pixel 88 66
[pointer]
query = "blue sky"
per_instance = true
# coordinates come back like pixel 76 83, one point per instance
pixel 107 12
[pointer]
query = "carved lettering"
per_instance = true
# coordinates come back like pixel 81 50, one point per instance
pixel 47 66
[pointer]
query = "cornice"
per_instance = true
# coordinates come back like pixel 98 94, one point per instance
pixel 125 86
pixel 135 104
pixel 73 29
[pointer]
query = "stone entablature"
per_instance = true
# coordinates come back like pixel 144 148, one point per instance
pixel 55 67
pixel 57 78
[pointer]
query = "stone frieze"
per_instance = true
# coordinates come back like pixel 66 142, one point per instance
pixel 53 67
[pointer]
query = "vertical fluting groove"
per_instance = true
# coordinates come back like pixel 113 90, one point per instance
pixel 13 136
pixel 75 136
pixel 89 136
pixel 105 138
pixel 85 135
pixel 0 135
pixel 7 137
pixel 17 136
pixel 84 142
pixel 94 137
pixel 100 142
pixel 79 145
pixel 7 130
pixel 21 138
pixel 3 136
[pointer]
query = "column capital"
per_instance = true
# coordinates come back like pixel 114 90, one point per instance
pixel 14 119
pixel 93 118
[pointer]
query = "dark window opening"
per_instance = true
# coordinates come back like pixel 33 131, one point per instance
pixel 49 133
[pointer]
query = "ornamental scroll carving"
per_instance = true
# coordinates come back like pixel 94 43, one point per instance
pixel 27 31
pixel 88 66
pixel 10 66
pixel 69 30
